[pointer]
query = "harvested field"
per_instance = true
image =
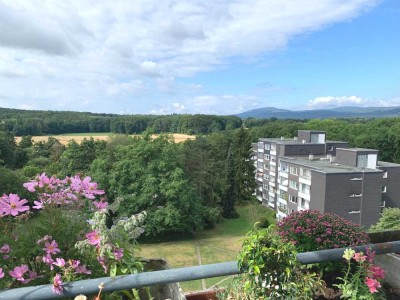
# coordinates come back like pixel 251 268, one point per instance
pixel 64 139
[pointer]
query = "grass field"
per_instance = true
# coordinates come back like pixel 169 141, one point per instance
pixel 102 136
pixel 215 245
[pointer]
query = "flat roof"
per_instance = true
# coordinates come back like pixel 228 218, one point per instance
pixel 325 166
pixel 291 141
pixel 359 149
pixel 387 164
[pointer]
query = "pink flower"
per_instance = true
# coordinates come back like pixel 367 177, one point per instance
pixel 118 253
pixel 360 257
pixel 5 249
pixel 376 272
pixel 31 276
pixel 12 205
pixel 372 284
pixel 51 248
pixel 1 273
pixel 57 284
pixel 48 260
pixel 82 270
pixel 30 186
pixel 60 262
pixel 100 205
pixel 74 263
pixel 94 238
pixel 38 204
pixel 318 240
pixel 44 239
pixel 18 272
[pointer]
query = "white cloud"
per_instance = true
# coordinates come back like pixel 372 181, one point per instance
pixel 330 101
pixel 93 51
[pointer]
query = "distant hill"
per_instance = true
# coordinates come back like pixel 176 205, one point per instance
pixel 338 112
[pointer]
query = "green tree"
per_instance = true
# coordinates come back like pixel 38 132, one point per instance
pixel 228 204
pixel 389 220
pixel 243 165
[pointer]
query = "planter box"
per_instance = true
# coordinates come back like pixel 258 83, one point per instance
pixel 391 264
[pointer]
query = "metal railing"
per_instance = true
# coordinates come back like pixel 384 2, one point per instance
pixel 90 286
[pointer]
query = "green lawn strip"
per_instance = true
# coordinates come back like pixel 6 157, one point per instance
pixel 219 244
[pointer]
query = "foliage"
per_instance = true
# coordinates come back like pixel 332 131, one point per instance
pixel 272 269
pixel 389 220
pixel 362 278
pixel 149 175
pixel 40 245
pixel 244 170
pixel 228 204
pixel 310 230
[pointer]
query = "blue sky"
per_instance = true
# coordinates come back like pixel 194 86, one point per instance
pixel 222 57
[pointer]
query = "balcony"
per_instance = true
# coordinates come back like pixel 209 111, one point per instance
pixel 305 180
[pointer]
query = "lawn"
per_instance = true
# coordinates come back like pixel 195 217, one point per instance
pixel 219 244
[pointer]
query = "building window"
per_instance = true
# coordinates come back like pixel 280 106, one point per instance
pixel 293 184
pixel 293 199
pixel 353 211
pixel 294 170
pixel 304 188
pixel 305 173
pixel 355 195
pixel 267 156
pixel 356 178
pixel 384 189
pixel 330 148
pixel 283 167
pixel 291 210
pixel 260 165
pixel 385 174
pixel 267 146
pixel 302 202
pixel 383 204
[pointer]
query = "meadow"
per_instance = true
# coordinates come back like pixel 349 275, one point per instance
pixel 219 244
pixel 99 136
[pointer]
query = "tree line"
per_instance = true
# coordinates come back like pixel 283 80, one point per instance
pixel 29 122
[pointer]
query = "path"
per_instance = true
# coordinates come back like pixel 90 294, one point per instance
pixel 198 254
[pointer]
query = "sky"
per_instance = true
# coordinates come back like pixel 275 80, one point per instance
pixel 193 56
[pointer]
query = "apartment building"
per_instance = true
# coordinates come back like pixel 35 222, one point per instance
pixel 308 172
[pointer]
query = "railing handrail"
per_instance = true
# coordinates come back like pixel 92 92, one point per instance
pixel 90 286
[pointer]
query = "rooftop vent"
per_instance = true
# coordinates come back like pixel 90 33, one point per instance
pixel 303 141
pixel 311 156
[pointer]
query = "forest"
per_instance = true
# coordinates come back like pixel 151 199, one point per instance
pixel 31 122
pixel 184 187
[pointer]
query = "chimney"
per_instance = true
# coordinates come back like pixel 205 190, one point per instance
pixel 303 141
pixel 311 157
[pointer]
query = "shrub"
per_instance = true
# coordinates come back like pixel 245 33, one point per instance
pixel 389 220
pixel 272 270
pixel 310 230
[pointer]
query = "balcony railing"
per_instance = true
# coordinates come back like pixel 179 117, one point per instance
pixel 90 286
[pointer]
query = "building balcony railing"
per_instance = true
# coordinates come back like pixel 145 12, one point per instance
pixel 90 286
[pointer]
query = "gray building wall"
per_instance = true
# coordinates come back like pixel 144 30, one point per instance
pixel 318 191
pixel 303 149
pixel 392 195
pixel 346 157
pixel 371 200
pixel 330 148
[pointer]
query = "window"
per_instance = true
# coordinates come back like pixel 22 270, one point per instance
pixel 383 204
pixel 305 173
pixel 384 189
pixel 304 188
pixel 291 210
pixel 355 195
pixel 293 199
pixel 283 167
pixel 267 156
pixel 267 146
pixel 330 148
pixel 294 170
pixel 293 184
pixel 385 174
pixel 302 202
pixel 356 178
pixel 260 155
pixel 260 165
pixel 354 211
